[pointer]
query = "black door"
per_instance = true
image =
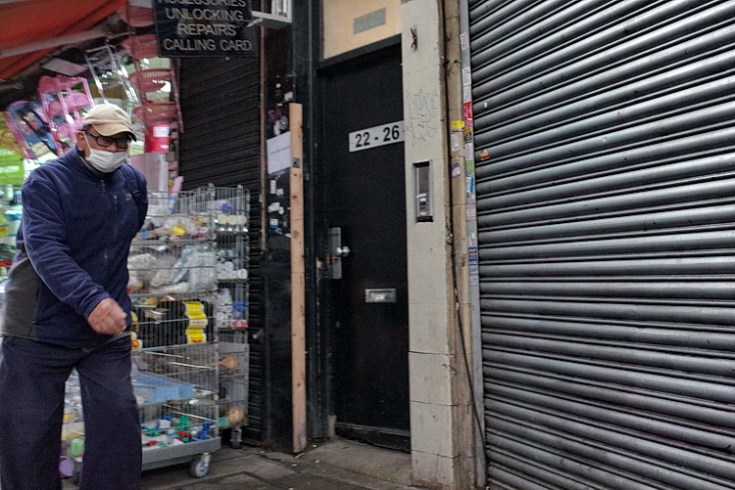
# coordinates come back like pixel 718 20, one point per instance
pixel 363 159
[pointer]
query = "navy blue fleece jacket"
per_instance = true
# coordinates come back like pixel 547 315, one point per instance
pixel 75 234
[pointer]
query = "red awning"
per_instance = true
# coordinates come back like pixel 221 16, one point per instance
pixel 33 22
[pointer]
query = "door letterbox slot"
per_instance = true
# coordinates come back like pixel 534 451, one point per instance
pixel 380 296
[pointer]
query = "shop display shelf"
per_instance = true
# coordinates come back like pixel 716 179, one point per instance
pixel 135 16
pixel 142 46
pixel 150 113
pixel 152 80
pixel 73 102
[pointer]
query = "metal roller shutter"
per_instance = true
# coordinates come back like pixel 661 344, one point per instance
pixel 220 105
pixel 606 200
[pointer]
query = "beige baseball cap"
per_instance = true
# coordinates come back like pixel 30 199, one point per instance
pixel 109 120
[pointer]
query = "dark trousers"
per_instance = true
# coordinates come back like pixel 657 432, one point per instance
pixel 32 382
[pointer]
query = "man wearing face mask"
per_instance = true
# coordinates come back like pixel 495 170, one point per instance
pixel 67 308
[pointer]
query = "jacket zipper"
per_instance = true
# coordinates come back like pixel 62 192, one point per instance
pixel 106 255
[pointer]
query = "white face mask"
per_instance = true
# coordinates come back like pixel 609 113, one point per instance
pixel 105 161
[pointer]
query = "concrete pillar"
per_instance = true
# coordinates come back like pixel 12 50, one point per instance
pixel 443 436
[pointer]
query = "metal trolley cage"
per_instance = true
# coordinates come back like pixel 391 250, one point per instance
pixel 231 226
pixel 176 387
pixel 189 287
pixel 173 281
pixel 173 287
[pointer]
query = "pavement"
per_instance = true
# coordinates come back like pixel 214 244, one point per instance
pixel 333 465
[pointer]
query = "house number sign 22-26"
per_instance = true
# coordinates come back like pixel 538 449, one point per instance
pixel 386 134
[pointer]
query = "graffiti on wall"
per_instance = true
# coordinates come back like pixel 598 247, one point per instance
pixel 422 120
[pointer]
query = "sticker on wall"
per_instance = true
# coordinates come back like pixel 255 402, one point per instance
pixel 468 111
pixel 454 139
pixel 470 186
pixel 278 150
pixel 474 265
pixel 471 212
pixel 469 166
pixel 456 170
pixel 467 76
pixel 276 120
pixel 468 137
pixel 279 206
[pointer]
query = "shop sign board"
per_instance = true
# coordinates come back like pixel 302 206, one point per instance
pixel 205 28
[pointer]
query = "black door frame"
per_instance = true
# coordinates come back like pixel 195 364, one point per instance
pixel 381 418
pixel 308 66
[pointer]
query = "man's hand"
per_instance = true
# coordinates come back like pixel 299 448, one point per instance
pixel 107 317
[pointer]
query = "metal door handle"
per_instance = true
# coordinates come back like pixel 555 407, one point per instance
pixel 336 252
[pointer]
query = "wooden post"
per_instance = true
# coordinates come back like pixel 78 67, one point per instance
pixel 298 283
